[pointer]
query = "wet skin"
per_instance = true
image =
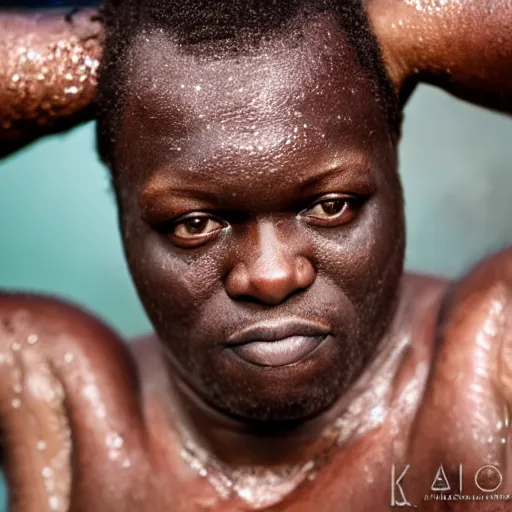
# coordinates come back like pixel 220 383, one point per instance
pixel 259 191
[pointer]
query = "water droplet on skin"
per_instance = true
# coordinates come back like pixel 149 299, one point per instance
pixel 41 446
pixel 71 90
pixel 54 503
pixel 16 346
pixel 32 339
pixel 47 472
pixel 114 441
pixel 6 359
pixel 308 466
pixel 68 357
pixel 18 388
pixel 16 403
pixel 113 455
pixel 203 472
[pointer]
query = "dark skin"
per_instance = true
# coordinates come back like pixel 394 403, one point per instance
pixel 238 211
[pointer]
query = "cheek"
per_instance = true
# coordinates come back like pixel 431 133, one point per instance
pixel 366 258
pixel 173 287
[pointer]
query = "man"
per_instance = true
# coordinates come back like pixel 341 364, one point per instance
pixel 294 367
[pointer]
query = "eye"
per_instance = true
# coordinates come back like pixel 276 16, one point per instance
pixel 332 211
pixel 194 230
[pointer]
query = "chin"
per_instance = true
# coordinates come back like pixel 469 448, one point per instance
pixel 289 409
pixel 275 395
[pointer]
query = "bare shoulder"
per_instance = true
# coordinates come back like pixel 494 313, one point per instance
pixel 58 332
pixel 67 382
pixel 463 419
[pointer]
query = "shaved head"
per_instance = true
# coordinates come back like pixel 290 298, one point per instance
pixel 226 30
pixel 253 146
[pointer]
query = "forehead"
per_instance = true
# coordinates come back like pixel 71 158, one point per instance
pixel 299 98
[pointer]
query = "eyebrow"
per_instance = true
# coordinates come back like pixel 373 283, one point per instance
pixel 160 199
pixel 160 194
pixel 340 172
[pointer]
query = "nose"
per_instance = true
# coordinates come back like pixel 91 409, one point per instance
pixel 270 272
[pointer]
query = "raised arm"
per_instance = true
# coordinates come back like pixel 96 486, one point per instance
pixel 463 46
pixel 48 70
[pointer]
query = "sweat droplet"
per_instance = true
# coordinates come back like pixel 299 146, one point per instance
pixel 54 503
pixel 32 339
pixel 47 472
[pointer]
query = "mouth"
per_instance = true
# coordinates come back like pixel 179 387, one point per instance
pixel 278 344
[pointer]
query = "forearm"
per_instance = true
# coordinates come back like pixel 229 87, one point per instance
pixel 48 72
pixel 463 46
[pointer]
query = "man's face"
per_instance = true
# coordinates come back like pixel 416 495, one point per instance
pixel 262 217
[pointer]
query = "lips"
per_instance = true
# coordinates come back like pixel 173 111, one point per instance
pixel 276 344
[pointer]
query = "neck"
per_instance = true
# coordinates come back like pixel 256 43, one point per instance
pixel 263 463
pixel 240 458
pixel 236 443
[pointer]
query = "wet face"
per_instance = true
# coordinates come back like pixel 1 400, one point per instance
pixel 262 217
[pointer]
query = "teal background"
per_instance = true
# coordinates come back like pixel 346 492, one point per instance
pixel 58 223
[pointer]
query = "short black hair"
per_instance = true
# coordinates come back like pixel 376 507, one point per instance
pixel 229 25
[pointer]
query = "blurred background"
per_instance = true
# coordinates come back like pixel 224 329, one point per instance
pixel 58 222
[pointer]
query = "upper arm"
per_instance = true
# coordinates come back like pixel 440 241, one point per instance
pixel 63 376
pixel 463 46
pixel 464 414
pixel 48 72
